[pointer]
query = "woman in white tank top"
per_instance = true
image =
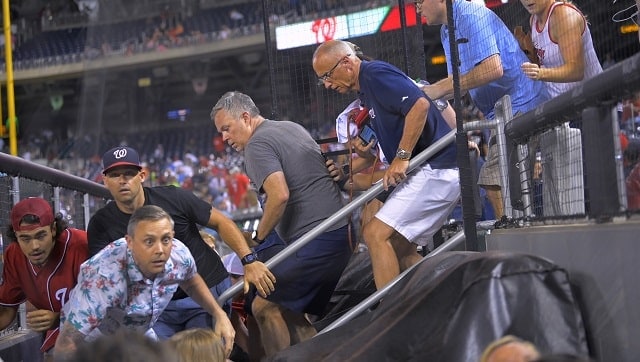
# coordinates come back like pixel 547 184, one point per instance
pixel 563 44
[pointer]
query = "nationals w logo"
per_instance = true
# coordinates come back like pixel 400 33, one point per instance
pixel 120 153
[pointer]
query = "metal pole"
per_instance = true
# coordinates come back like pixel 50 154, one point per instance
pixel 8 59
pixel 503 114
pixel 15 191
pixel 87 210
pixel 267 43
pixel 403 31
pixel 56 199
pixel 464 163
pixel 525 183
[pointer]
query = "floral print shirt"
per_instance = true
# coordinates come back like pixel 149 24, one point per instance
pixel 112 292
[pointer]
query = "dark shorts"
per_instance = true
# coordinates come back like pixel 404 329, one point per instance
pixel 306 280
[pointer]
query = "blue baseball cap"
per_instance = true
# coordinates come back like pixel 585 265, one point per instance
pixel 120 156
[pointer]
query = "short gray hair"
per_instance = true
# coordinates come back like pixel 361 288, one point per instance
pixel 147 213
pixel 235 103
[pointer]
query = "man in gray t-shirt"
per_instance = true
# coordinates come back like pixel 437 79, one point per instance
pixel 280 146
pixel 285 163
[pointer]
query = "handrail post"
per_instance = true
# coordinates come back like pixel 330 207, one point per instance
pixel 86 207
pixel 503 114
pixel 56 199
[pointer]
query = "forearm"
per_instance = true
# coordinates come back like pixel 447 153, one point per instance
pixel 567 73
pixel 486 72
pixel 273 209
pixel 233 237
pixel 197 289
pixel 7 315
pixel 359 164
pixel 414 124
pixel 277 190
pixel 67 343
pixel 363 181
pixel 440 89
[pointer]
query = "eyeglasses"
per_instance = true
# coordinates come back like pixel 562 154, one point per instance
pixel 323 78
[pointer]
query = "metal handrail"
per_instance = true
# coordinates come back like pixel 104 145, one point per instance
pixel 16 166
pixel 607 87
pixel 375 297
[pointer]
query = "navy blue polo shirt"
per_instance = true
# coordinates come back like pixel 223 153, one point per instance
pixel 390 94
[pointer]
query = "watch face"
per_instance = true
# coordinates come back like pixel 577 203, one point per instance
pixel 403 154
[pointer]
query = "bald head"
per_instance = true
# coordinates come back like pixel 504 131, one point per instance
pixel 336 66
pixel 333 49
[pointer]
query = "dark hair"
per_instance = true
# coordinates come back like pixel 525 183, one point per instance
pixel 358 52
pixel 60 223
pixel 147 213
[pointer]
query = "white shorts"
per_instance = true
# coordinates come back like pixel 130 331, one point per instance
pixel 420 205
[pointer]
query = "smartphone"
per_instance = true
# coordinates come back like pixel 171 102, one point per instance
pixel 367 134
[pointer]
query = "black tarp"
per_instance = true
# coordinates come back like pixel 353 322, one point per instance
pixel 453 305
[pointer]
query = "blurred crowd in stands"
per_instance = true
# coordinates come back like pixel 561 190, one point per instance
pixel 184 158
pixel 69 31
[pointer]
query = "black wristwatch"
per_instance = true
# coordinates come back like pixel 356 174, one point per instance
pixel 249 258
pixel 254 237
pixel 345 169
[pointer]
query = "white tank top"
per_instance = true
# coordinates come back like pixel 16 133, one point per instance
pixel 549 52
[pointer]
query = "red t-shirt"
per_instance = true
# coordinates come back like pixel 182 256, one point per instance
pixel 633 188
pixel 237 187
pixel 49 287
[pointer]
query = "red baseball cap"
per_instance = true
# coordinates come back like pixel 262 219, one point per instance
pixel 35 206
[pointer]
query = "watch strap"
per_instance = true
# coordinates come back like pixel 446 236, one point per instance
pixel 254 237
pixel 249 258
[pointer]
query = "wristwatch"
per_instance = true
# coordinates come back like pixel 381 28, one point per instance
pixel 249 258
pixel 254 237
pixel 441 104
pixel 403 155
pixel 345 169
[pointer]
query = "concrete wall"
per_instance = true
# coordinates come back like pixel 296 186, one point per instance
pixel 602 261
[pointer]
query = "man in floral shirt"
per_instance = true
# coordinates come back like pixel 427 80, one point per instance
pixel 130 282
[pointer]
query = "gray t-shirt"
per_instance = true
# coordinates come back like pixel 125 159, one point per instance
pixel 313 195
